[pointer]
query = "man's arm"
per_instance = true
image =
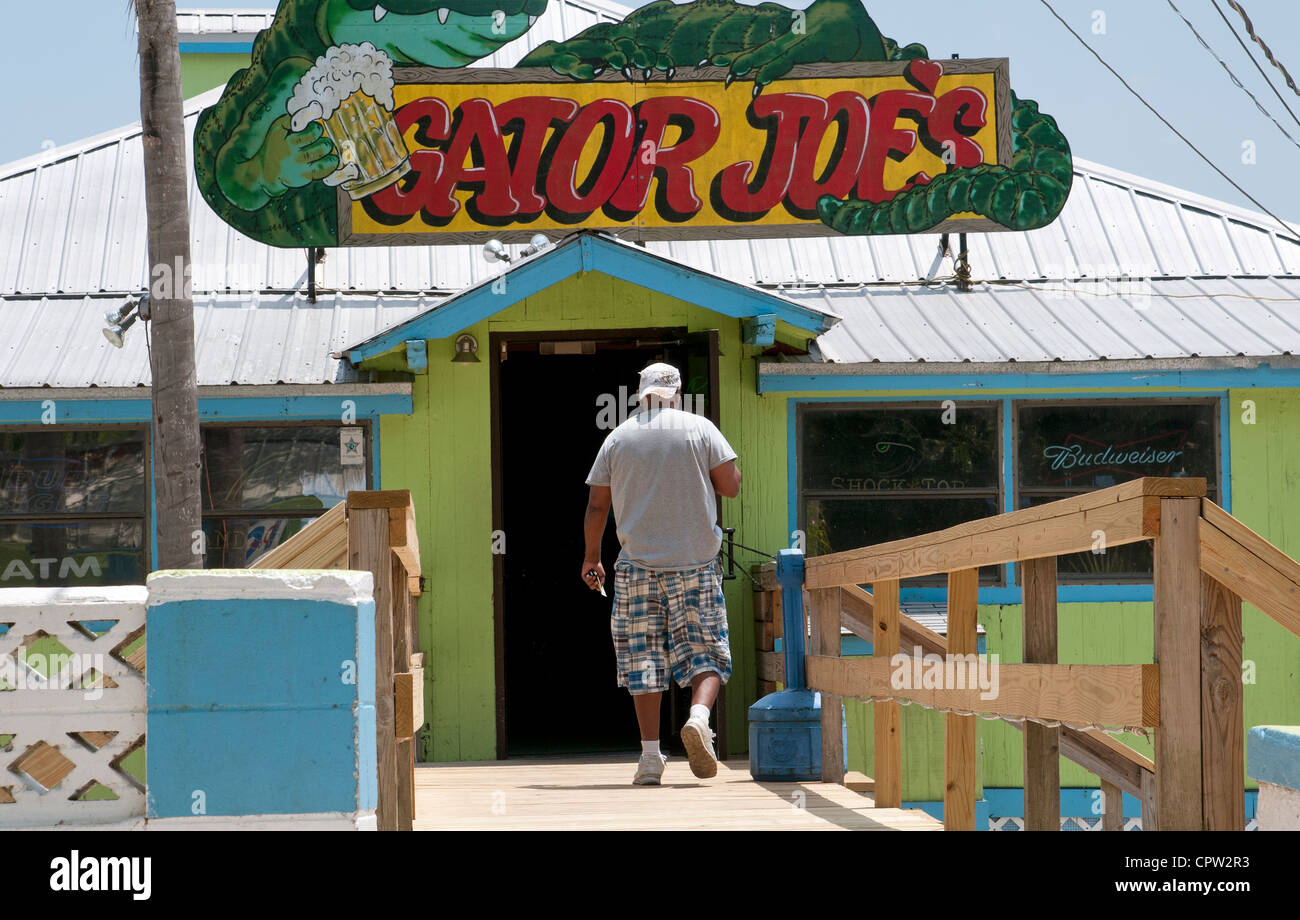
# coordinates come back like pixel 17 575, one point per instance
pixel 726 479
pixel 593 525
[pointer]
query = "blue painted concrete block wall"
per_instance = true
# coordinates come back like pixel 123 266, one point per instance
pixel 259 705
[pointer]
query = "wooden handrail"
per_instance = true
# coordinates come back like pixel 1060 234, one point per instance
pixel 322 544
pixel 1111 760
pixel 1250 566
pixel 1127 513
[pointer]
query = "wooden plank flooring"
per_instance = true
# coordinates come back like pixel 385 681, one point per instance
pixel 596 793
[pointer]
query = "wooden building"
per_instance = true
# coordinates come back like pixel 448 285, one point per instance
pixel 869 394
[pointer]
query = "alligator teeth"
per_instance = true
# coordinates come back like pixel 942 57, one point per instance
pixel 531 20
pixel 380 12
pixel 443 13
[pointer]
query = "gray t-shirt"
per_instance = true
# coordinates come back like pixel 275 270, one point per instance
pixel 657 467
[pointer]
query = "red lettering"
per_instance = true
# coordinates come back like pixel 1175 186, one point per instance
pixel 743 192
pixel 406 198
pixel 529 119
pixel 849 111
pixel 958 115
pixel 675 197
pixel 570 202
pixel 888 141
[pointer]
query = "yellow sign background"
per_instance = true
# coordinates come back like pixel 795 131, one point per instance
pixel 738 141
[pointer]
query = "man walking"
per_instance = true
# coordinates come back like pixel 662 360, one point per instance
pixel 662 471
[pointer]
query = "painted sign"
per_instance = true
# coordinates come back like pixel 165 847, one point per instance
pixel 357 124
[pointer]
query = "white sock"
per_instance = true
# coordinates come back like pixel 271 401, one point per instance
pixel 699 710
pixel 650 747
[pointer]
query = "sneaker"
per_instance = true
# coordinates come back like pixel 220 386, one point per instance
pixel 697 738
pixel 649 769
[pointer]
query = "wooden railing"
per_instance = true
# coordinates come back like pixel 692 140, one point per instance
pixel 1206 562
pixel 375 532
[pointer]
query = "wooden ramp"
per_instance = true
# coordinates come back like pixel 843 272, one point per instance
pixel 596 793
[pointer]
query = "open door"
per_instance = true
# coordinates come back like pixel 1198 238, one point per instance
pixel 696 356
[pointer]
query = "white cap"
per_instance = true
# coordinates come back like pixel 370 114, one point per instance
pixel 662 380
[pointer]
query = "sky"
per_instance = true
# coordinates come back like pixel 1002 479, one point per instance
pixel 1143 39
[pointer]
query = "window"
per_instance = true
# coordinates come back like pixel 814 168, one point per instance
pixel 73 507
pixel 262 485
pixel 870 474
pixel 1070 449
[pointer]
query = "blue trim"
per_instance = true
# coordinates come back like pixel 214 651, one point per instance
pixel 935 810
pixel 1225 452
pixel 588 252
pixel 216 47
pixel 1076 802
pixel 224 409
pixel 1228 378
pixel 1010 593
pixel 1065 594
pixel 1273 755
pixel 1008 476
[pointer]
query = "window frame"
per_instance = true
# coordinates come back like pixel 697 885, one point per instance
pixel 998 491
pixel 1214 488
pixel 262 425
pixel 146 515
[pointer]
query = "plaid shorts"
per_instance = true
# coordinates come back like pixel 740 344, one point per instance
pixel 668 619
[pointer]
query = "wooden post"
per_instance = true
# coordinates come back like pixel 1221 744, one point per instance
pixel 368 551
pixel 1042 744
pixel 405 753
pixel 1178 794
pixel 825 613
pixel 887 722
pixel 959 731
pixel 1223 774
pixel 1112 816
pixel 1150 815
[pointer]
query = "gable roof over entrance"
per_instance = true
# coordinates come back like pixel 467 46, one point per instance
pixel 584 252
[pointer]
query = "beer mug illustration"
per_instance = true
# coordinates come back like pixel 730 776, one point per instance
pixel 350 91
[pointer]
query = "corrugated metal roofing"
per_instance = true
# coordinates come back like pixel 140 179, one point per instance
pixel 561 19
pixel 72 228
pixel 239 339
pixel 72 221
pixel 1163 318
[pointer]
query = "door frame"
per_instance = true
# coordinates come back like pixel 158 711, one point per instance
pixel 654 334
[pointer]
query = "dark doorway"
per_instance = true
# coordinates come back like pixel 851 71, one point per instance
pixel 555 654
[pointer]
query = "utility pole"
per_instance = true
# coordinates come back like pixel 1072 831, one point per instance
pixel 175 419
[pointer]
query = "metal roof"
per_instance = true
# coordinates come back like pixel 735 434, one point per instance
pixel 562 18
pixel 239 339
pixel 72 236
pixel 1049 321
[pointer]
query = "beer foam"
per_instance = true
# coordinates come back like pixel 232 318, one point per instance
pixel 340 72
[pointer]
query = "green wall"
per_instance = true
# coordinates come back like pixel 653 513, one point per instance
pixel 202 72
pixel 1265 478
pixel 442 453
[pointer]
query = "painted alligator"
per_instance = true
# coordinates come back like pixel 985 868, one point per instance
pixel 268 175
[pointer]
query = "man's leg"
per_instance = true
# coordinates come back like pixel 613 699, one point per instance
pixel 647 714
pixel 704 689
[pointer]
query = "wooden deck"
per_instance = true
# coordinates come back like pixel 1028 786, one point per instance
pixel 596 793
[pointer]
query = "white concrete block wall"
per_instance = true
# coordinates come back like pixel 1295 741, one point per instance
pixel 45 708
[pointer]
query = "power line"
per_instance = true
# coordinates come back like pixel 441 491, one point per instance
pixel 1262 73
pixel 1268 52
pixel 1241 86
pixel 1281 223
